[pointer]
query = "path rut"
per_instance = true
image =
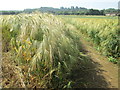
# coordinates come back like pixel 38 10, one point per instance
pixel 101 72
pixel 103 68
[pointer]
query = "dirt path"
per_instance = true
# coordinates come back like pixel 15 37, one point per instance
pixel 100 72
pixel 103 73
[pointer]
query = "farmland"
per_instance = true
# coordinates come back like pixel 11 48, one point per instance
pixel 88 16
pixel 46 51
pixel 102 31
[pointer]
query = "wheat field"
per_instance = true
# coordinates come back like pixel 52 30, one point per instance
pixel 44 48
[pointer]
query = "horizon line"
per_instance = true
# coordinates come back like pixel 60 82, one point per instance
pixel 58 8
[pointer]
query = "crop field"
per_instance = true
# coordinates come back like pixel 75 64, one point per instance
pixel 43 47
pixel 88 16
pixel 42 50
pixel 103 32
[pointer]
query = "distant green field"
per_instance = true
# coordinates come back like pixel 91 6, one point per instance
pixel 89 16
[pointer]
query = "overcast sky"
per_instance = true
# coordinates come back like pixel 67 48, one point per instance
pixel 23 4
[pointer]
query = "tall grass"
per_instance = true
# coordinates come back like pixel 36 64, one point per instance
pixel 105 33
pixel 44 47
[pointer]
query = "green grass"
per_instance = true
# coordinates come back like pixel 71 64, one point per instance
pixel 89 16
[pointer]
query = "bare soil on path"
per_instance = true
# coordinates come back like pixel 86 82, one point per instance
pixel 103 74
pixel 99 72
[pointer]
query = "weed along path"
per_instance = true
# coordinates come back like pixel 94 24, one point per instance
pixel 102 74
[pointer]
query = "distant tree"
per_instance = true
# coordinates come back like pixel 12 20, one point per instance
pixel 9 12
pixel 102 12
pixel 65 11
pixel 77 8
pixel 72 7
pixel 94 12
pixel 110 10
pixel 61 7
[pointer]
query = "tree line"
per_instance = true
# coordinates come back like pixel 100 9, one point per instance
pixel 65 11
pixel 10 12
